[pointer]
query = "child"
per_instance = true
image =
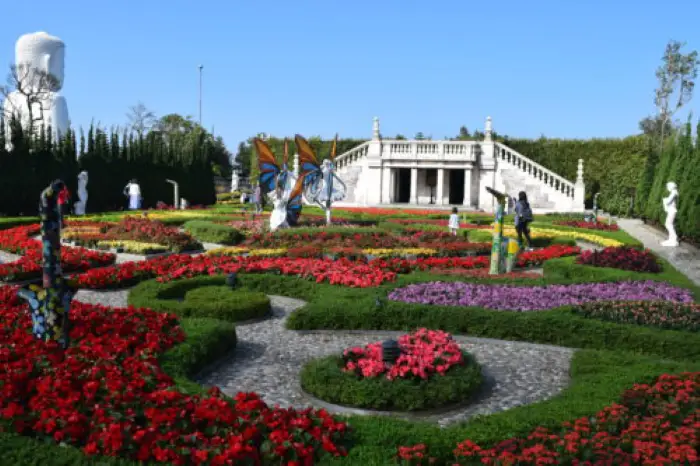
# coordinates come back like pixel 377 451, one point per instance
pixel 453 224
pixel 523 217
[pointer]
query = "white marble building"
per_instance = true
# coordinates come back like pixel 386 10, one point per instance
pixel 451 173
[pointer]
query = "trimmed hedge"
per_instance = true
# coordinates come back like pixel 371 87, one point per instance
pixel 325 379
pixel 211 232
pixel 201 297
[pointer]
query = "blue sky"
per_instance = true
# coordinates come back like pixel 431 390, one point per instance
pixel 559 68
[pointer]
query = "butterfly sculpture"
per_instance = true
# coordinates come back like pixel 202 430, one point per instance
pixel 276 179
pixel 321 185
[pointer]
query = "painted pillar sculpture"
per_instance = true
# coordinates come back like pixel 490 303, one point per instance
pixel 50 303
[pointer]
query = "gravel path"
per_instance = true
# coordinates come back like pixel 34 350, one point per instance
pixel 268 359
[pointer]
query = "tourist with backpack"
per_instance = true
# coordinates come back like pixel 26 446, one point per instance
pixel 523 218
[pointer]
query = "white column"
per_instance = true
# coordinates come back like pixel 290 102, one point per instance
pixel 468 187
pixel 440 186
pixel 386 185
pixel 414 186
pixel 392 185
pixel 579 190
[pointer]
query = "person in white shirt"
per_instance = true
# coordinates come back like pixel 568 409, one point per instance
pixel 453 224
pixel 133 192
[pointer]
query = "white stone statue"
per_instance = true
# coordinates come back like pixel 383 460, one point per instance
pixel 133 191
pixel 184 204
pixel 321 185
pixel 670 207
pixel 235 181
pixel 35 54
pixel 286 189
pixel 81 205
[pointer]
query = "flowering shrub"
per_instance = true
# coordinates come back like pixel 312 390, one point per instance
pixel 664 314
pixel 248 226
pixel 484 274
pixel 588 225
pixel 304 251
pixel 18 240
pixel 424 353
pixel 438 222
pixel 146 230
pixel 653 424
pixel 108 395
pixel 533 298
pixel 624 257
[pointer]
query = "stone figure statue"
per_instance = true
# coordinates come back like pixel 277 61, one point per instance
pixel 670 207
pixel 133 191
pixel 235 181
pixel 81 205
pixel 286 189
pixel 37 55
pixel 321 185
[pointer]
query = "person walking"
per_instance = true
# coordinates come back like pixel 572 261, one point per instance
pixel 133 191
pixel 453 223
pixel 523 218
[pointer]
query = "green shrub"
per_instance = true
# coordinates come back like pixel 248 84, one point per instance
pixel 11 222
pixel 201 297
pixel 325 379
pixel 211 232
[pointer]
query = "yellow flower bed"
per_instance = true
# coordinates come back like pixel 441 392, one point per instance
pixel 227 251
pixel 552 233
pixel 268 252
pixel 385 252
pixel 136 247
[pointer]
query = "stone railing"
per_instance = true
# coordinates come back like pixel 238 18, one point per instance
pixel 435 150
pixel 545 176
pixel 352 156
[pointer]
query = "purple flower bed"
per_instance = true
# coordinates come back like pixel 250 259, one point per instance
pixel 533 298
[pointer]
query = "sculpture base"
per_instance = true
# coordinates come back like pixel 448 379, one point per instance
pixel 670 244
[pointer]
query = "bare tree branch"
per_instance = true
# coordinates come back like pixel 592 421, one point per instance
pixel 33 88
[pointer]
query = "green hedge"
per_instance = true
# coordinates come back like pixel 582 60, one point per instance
pixel 211 232
pixel 325 379
pixel 201 297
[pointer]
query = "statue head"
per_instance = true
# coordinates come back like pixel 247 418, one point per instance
pixel 43 52
pixel 671 186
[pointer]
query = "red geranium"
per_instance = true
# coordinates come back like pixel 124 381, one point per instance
pixel 622 257
pixel 424 353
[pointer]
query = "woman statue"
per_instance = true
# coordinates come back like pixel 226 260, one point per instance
pixel 669 204
pixel 133 192
pixel 81 205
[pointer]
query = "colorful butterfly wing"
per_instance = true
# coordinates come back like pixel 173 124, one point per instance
pixel 267 165
pixel 334 148
pixel 309 168
pixel 294 203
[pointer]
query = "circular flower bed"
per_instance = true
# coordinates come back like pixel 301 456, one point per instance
pixel 663 314
pixel 201 297
pixel 431 371
pixel 624 258
pixel 532 298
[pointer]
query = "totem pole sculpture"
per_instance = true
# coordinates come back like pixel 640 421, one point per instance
pixel 50 303
pixel 504 252
pixel 321 185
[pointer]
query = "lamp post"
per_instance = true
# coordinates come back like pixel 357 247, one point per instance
pixel 201 67
pixel 176 193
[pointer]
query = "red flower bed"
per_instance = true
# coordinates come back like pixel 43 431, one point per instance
pixel 653 424
pixel 304 251
pixel 108 395
pixel 150 231
pixel 358 273
pixel 588 225
pixel 340 272
pixel 424 353
pixel 623 257
pixel 19 241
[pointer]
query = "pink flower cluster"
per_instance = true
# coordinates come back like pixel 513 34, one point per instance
pixel 423 354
